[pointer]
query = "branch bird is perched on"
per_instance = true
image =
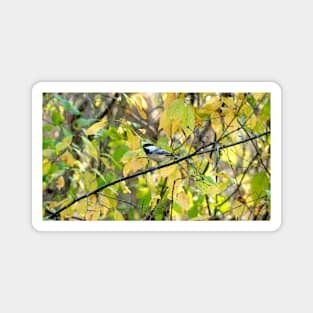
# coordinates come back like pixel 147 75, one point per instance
pixel 157 154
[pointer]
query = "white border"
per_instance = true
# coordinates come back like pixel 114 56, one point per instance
pixel 42 225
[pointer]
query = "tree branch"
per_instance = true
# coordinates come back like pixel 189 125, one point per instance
pixel 152 169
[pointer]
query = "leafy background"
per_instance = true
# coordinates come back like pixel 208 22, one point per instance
pixel 90 140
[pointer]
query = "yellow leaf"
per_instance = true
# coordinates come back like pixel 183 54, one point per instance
pixel 90 181
pixel 217 124
pixel 141 112
pixel 258 96
pixel 229 101
pixel 93 211
pixel 210 106
pixel 92 200
pixel 63 144
pixel 167 171
pixel 45 166
pixel 133 141
pixel 133 165
pixel 91 149
pixel 104 211
pixel 118 216
pixel 170 97
pixel 81 207
pixel 53 204
pixel 124 187
pixel 92 215
pixel 77 175
pixel 141 104
pixel 152 181
pixel 230 120
pixel 252 121
pixel 133 161
pixel 104 201
pixel 108 198
pixel 170 122
pixel 174 182
pixel 128 156
pixel 60 183
pixel 68 140
pixel 178 116
pixel 68 159
pixel 238 211
pixel 154 201
pixel 98 101
pixel 216 189
pixel 183 199
pixel 93 129
pixel 231 156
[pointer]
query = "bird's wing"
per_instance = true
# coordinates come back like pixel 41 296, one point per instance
pixel 161 151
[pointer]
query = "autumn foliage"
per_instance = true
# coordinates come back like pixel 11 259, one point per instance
pixel 93 140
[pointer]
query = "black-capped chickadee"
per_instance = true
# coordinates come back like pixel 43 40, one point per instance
pixel 157 154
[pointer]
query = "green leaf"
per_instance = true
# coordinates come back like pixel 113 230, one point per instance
pixel 57 117
pixel 265 112
pixel 225 206
pixel 53 169
pixel 180 111
pixel 177 207
pixel 193 212
pixel 268 194
pixel 118 216
pixel 47 143
pixel 158 216
pixel 144 196
pixel 85 122
pixel 119 152
pixel 266 99
pixel 72 192
pixel 251 100
pixel 67 132
pixel 61 146
pixel 47 128
pixel 178 116
pixel 67 105
pixel 142 192
pixel 62 165
pixel 188 118
pixel 209 179
pixel 163 143
pixel 100 181
pixel 116 143
pixel 198 200
pixel 259 184
pixel 100 177
pixel 112 133
pixel 259 127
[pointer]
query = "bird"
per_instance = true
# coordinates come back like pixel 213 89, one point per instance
pixel 157 154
